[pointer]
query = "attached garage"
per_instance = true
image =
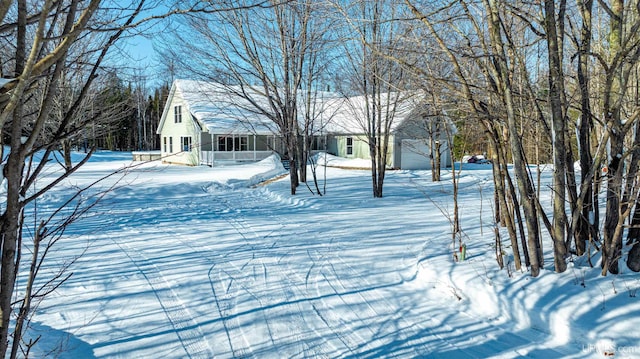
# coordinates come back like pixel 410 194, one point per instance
pixel 414 155
pixel 411 145
pixel 421 138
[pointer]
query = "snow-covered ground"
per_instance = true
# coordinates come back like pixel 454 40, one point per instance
pixel 197 262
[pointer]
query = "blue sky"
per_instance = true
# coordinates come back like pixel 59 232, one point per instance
pixel 138 50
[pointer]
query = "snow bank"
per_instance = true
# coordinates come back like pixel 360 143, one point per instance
pixel 325 159
pixel 267 169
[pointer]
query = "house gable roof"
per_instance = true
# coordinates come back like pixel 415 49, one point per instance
pixel 165 110
pixel 350 114
pixel 220 109
pixel 424 121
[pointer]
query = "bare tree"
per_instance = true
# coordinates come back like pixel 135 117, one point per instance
pixel 623 52
pixel 554 35
pixel 375 77
pixel 607 135
pixel 43 41
pixel 52 53
pixel 488 89
pixel 269 57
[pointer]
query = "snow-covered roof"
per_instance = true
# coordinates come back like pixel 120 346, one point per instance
pixel 350 114
pixel 234 109
pixel 221 109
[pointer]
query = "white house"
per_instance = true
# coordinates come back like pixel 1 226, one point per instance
pixel 204 123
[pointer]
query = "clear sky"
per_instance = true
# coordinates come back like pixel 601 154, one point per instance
pixel 136 50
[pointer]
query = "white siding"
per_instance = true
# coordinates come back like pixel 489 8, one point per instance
pixel 415 155
pixel 176 131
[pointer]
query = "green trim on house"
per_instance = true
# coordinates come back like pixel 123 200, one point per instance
pixel 360 147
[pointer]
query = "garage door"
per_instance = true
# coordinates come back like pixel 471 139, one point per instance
pixel 414 155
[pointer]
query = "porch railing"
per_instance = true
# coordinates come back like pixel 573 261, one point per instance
pixel 210 157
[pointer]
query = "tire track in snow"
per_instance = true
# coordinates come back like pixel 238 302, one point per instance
pixel 358 341
pixel 232 279
pixel 185 327
pixel 237 274
pixel 324 310
pixel 343 339
pixel 225 288
pixel 296 278
pixel 219 307
pixel 228 281
pixel 393 312
pixel 227 300
pixel 287 280
pixel 254 239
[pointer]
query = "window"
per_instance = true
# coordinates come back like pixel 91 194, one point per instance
pixel 186 144
pixel 271 143
pixel 232 143
pixel 241 143
pixel 349 145
pixel 177 114
pixel 164 144
pixel 170 144
pixel 318 143
pixel 222 143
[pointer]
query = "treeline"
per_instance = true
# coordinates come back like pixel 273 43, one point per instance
pixel 135 128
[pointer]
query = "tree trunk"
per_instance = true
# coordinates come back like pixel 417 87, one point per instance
pixel 66 154
pixel 374 171
pixel 303 156
pixel 558 139
pixel 292 149
pixel 13 172
pixel 633 238
pixel 612 246
pixel 631 189
pixel 25 307
pixel 586 224
pixel 9 228
pixel 438 163
pixel 525 188
pixel 633 262
pixel 503 214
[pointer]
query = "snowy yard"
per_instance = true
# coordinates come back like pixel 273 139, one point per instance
pixel 194 262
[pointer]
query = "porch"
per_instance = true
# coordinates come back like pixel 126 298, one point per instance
pixel 236 147
pixel 208 158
